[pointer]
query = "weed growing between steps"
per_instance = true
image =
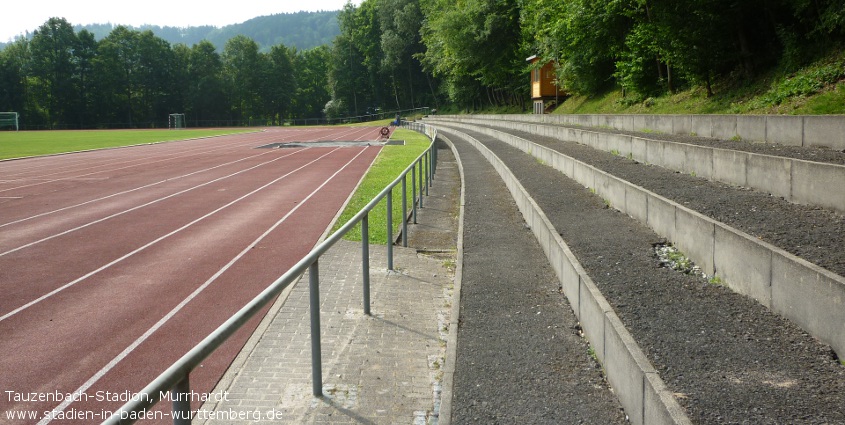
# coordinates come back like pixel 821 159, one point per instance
pixel 672 258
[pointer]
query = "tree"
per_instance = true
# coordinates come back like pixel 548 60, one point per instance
pixel 117 80
pixel 311 68
pixel 241 71
pixel 155 77
pixel 205 94
pixel 476 47
pixel 84 55
pixel 52 48
pixel 355 75
pixel 13 77
pixel 279 83
pixel 400 22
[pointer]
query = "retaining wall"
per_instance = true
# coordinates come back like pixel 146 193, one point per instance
pixel 810 296
pixel 795 130
pixel 798 181
pixel 641 391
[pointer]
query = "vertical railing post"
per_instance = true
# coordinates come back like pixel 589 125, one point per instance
pixel 390 229
pixel 404 210
pixel 316 355
pixel 365 260
pixel 434 160
pixel 181 393
pixel 427 170
pixel 421 181
pixel 431 166
pixel 414 192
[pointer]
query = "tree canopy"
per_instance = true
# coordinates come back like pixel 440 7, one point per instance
pixel 403 54
pixel 65 79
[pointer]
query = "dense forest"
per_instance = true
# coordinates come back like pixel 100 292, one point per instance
pixel 472 54
pixel 65 79
pixel 401 54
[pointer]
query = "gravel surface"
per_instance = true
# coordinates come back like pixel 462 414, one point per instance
pixel 519 358
pixel 817 154
pixel 727 358
pixel 812 233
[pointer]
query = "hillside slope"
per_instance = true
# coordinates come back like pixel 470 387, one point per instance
pixel 303 30
pixel 817 89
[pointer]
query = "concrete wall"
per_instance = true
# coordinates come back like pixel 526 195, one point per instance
pixel 795 130
pixel 799 181
pixel 810 296
pixel 640 390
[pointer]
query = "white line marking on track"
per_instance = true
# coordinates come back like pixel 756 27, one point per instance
pixel 170 179
pixel 132 163
pixel 128 350
pixel 149 244
pixel 137 207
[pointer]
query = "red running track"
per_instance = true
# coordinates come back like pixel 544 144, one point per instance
pixel 114 263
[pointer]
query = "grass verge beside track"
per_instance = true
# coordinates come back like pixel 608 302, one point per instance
pixel 391 161
pixel 20 144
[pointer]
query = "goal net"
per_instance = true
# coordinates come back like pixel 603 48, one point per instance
pixel 176 121
pixel 9 120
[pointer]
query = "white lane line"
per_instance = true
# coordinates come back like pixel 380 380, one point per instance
pixel 38 163
pixel 128 350
pixel 157 240
pixel 137 207
pixel 169 179
pixel 132 163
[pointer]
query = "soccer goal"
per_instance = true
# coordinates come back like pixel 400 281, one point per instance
pixel 9 119
pixel 176 121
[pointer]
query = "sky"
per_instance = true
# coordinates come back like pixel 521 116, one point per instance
pixel 28 15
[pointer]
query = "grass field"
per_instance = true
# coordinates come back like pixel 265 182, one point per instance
pixel 20 144
pixel 391 161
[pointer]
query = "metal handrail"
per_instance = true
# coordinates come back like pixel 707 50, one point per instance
pixel 175 378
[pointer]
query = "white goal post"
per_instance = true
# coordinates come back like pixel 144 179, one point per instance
pixel 9 119
pixel 176 121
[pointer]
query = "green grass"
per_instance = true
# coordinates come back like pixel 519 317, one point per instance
pixel 816 89
pixel 391 161
pixel 19 144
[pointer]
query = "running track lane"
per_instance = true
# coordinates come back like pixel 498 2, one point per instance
pixel 224 221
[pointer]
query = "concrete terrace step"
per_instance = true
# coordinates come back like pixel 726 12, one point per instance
pixel 744 263
pixel 711 319
pixel 518 354
pixel 796 180
pixel 792 130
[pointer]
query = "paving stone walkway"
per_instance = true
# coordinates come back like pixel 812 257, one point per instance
pixel 380 369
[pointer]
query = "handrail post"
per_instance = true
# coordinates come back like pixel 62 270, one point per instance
pixel 365 260
pixel 414 191
pixel 431 166
pixel 427 170
pixel 421 181
pixel 434 160
pixel 181 393
pixel 404 211
pixel 316 355
pixel 390 229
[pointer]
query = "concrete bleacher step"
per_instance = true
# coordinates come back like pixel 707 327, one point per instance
pixel 744 263
pixel 724 250
pixel 790 130
pixel 796 180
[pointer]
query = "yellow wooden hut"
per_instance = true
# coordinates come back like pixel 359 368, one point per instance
pixel 544 89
